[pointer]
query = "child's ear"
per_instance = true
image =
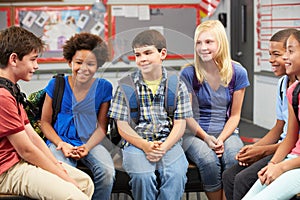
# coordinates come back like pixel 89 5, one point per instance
pixel 70 63
pixel 163 53
pixel 13 59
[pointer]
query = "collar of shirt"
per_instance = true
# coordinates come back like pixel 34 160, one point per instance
pixel 138 78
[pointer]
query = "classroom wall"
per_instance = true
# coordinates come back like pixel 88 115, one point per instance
pixel 40 79
pixel 264 86
pixel 270 16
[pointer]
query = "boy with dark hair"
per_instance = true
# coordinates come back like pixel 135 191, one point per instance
pixel 238 179
pixel 26 163
pixel 154 142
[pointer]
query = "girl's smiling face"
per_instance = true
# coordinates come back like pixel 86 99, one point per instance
pixel 206 46
pixel 292 57
pixel 84 65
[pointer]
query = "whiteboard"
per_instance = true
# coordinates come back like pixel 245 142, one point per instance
pixel 272 16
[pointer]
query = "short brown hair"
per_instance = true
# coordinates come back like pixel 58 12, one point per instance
pixel 20 41
pixel 148 38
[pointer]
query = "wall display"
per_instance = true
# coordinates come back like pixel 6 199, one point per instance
pixel 5 13
pixel 128 20
pixel 56 24
pixel 273 16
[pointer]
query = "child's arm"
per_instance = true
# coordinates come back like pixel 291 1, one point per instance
pixel 131 136
pixel 50 133
pixel 292 136
pixel 235 115
pixel 195 128
pixel 264 147
pixel 32 153
pixel 175 134
pixel 99 133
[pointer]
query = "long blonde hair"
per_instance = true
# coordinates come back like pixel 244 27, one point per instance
pixel 222 58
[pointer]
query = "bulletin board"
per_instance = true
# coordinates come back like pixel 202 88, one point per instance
pixel 5 16
pixel 176 22
pixel 272 16
pixel 56 24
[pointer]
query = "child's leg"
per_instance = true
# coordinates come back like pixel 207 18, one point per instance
pixel 172 169
pixel 99 161
pixel 142 173
pixel 34 182
pixel 84 181
pixel 284 187
pixel 255 189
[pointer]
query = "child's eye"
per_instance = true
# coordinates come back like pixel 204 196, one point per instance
pixel 277 55
pixel 91 64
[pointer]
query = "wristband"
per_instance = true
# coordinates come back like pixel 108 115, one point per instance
pixel 58 162
pixel 272 162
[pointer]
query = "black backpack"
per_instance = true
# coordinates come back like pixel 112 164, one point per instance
pixel 37 100
pixel 34 103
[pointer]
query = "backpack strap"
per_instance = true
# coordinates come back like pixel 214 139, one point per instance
pixel 58 95
pixel 280 89
pixel 8 85
pixel 131 97
pixel 295 101
pixel 15 91
pixel 171 91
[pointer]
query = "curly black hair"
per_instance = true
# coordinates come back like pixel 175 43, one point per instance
pixel 86 41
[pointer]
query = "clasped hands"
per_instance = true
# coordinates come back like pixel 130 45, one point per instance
pixel 154 151
pixel 269 173
pixel 215 144
pixel 250 154
pixel 73 151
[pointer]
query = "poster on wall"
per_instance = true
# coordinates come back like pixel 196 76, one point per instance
pixel 5 17
pixel 55 25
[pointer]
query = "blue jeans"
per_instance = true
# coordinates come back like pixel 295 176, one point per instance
pixel 100 163
pixel 210 166
pixel 171 168
pixel 284 187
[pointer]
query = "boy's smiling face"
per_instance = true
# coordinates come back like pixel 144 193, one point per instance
pixel 25 67
pixel 148 59
pixel 276 52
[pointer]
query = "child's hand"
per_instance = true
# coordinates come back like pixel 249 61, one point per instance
pixel 250 154
pixel 153 152
pixel 68 150
pixel 269 173
pixel 82 151
pixel 211 141
pixel 219 148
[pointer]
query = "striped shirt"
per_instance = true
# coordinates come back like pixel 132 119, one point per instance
pixel 154 123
